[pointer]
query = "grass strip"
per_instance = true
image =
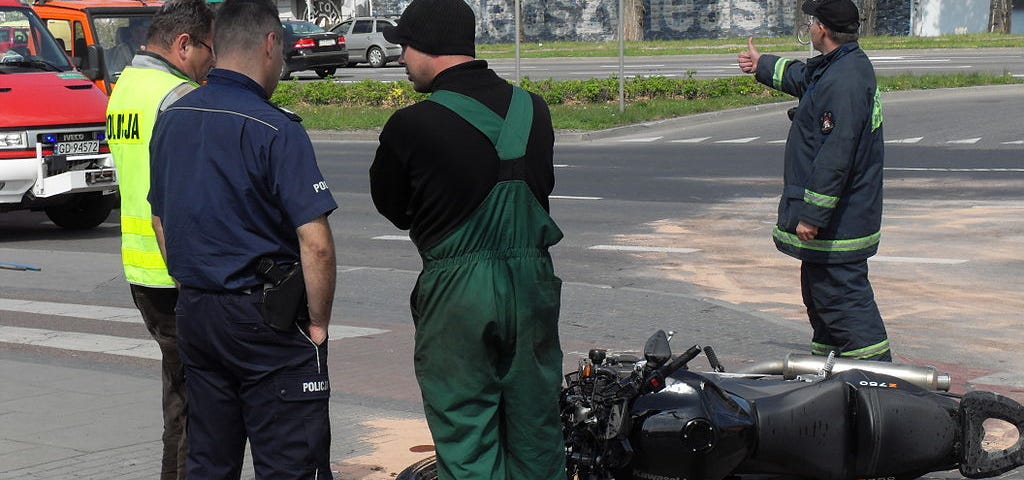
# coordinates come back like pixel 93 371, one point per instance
pixel 580 115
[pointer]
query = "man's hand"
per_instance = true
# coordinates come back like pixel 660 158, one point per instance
pixel 748 59
pixel 806 231
pixel 317 333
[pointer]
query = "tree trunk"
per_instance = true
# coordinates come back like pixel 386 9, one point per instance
pixel 999 20
pixel 633 18
pixel 868 17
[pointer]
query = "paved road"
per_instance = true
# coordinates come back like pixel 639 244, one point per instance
pixel 886 62
pixel 666 227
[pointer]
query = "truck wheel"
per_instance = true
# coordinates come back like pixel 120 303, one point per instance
pixel 425 469
pixel 85 211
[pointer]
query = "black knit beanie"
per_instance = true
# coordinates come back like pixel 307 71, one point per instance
pixel 438 27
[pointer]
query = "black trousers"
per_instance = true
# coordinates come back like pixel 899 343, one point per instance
pixel 248 381
pixel 842 310
pixel 157 308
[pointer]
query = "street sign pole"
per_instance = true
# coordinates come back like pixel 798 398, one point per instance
pixel 517 14
pixel 622 57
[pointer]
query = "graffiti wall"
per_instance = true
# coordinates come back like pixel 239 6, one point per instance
pixel 597 20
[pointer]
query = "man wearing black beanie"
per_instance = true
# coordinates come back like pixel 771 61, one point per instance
pixel 468 172
pixel 830 214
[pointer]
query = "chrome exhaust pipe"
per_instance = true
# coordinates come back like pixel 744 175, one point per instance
pixel 925 377
pixel 801 364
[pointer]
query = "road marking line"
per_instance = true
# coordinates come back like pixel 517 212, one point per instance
pixel 777 141
pixel 908 60
pixel 906 140
pixel 923 67
pixel 131 315
pixel 966 141
pixel 560 165
pixel 570 197
pixel 1015 142
pixel 633 248
pixel 402 238
pixel 739 140
pixel 641 140
pixel 82 342
pixel 922 169
pixel 691 140
pixel 937 261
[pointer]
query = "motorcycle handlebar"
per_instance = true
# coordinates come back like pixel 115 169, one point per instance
pixel 656 381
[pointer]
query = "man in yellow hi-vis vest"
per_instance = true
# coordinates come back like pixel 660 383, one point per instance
pixel 176 58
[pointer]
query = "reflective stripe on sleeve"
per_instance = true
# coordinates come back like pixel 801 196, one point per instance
pixel 820 200
pixel 846 245
pixel 780 70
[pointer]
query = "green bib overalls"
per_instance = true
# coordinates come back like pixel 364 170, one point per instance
pixel 486 307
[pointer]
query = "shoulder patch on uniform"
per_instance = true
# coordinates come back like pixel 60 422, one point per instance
pixel 827 123
pixel 290 114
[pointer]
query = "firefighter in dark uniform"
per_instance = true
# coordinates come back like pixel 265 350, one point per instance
pixel 830 213
pixel 235 180
pixel 469 172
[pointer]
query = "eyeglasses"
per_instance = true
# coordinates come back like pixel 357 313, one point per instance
pixel 205 45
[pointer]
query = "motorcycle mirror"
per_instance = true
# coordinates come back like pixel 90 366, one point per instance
pixel 657 350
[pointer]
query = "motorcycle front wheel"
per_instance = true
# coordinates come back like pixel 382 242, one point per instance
pixel 426 469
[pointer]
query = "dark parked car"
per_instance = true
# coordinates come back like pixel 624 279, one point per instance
pixel 366 41
pixel 309 47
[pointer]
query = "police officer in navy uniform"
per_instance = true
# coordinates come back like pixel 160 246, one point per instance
pixel 830 214
pixel 234 180
pixel 468 172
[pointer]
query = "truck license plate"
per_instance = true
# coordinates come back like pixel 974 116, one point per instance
pixel 77 148
pixel 326 43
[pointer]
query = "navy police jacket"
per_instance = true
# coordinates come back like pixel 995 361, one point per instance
pixel 834 155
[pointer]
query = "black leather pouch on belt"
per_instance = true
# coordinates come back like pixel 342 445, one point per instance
pixel 284 298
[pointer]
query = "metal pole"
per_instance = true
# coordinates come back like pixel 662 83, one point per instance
pixel 622 57
pixel 517 7
pixel 369 7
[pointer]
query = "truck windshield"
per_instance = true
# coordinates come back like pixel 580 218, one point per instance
pixel 26 44
pixel 120 36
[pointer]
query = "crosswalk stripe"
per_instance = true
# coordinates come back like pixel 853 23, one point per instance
pixel 81 342
pixel 393 237
pixel 923 260
pixel 131 315
pixel 634 248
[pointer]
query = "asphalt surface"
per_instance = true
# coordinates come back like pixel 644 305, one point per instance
pixel 80 391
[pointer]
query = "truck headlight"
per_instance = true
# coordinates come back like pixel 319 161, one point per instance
pixel 13 140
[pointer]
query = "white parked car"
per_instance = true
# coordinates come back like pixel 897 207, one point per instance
pixel 364 37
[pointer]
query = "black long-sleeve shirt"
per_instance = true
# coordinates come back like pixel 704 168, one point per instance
pixel 433 169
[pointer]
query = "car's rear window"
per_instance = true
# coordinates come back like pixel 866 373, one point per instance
pixel 302 28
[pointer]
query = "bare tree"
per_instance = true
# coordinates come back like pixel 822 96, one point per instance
pixel 999 19
pixel 868 17
pixel 633 19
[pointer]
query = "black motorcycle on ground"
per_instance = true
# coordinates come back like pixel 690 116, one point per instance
pixel 627 418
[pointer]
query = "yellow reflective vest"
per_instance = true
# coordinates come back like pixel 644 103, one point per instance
pixel 131 114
